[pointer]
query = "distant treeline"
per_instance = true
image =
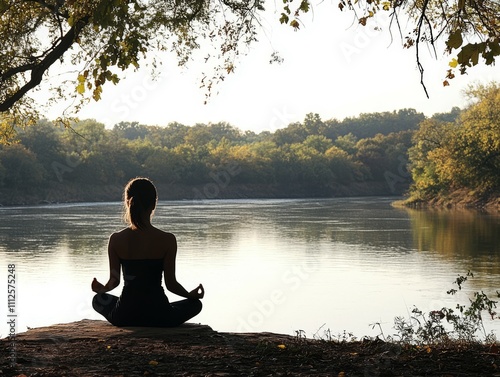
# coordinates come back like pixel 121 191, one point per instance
pixel 315 155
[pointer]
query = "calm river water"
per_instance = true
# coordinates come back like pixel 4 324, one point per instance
pixel 267 265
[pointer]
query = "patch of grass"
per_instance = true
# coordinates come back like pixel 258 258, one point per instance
pixel 464 323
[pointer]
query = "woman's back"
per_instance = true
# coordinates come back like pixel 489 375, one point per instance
pixel 151 243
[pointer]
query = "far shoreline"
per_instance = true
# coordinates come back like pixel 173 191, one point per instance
pixel 66 194
pixel 457 200
pixel 58 193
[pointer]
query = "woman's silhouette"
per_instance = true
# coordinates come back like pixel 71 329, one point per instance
pixel 145 253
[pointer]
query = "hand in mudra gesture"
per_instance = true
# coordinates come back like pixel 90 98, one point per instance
pixel 198 292
pixel 96 286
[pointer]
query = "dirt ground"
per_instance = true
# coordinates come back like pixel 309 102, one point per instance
pixel 95 348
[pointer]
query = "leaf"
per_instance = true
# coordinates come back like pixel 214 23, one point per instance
pixel 469 54
pixel 492 51
pixel 455 39
pixel 304 6
pixel 474 58
pixel 281 346
pixel 153 363
pixel 284 18
pixel 80 88
pixel 453 63
pixel 295 24
pixel 114 78
pixel 97 93
pixel 446 83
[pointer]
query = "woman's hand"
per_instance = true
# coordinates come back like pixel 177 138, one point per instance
pixel 198 292
pixel 96 286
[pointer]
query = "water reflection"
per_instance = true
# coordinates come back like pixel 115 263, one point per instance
pixel 457 233
pixel 80 229
pixel 363 259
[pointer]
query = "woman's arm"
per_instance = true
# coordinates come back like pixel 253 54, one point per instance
pixel 114 271
pixel 169 273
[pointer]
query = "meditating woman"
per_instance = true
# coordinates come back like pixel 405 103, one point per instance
pixel 145 253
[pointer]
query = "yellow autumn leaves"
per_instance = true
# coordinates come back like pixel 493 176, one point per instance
pixel 99 79
pixel 460 155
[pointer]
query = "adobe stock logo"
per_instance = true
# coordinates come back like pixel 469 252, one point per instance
pixel 221 179
pixel 61 168
pixel 292 279
pixel 133 97
pixel 402 176
pixel 280 118
pixel 364 37
pixel 130 101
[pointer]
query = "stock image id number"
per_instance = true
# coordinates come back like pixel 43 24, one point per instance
pixel 11 287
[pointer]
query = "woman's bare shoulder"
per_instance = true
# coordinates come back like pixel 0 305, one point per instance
pixel 119 233
pixel 165 235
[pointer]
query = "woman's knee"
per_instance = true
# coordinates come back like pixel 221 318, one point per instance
pixel 101 300
pixel 197 305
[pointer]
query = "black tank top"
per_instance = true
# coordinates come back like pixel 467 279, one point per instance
pixel 142 273
pixel 143 301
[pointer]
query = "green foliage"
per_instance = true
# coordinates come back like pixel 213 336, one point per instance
pixel 369 125
pixel 449 117
pixel 130 130
pixel 20 167
pixel 313 153
pixel 464 323
pixel 102 38
pixel 347 143
pixel 430 142
pixel 464 154
pixel 384 153
pixel 301 154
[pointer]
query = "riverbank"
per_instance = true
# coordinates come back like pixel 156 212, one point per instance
pixel 458 199
pixel 96 348
pixel 74 193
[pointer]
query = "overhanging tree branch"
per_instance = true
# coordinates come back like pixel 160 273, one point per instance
pixel 417 49
pixel 39 69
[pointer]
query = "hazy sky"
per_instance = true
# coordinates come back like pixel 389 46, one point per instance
pixel 332 67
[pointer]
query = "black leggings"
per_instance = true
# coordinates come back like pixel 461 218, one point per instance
pixel 178 312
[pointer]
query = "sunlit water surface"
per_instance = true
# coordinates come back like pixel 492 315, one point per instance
pixel 317 266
